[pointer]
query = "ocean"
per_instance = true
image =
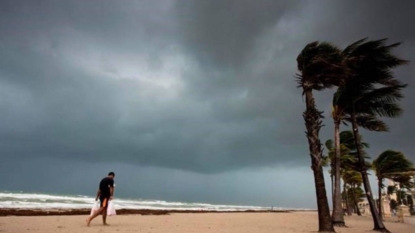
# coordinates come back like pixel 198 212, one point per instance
pixel 23 200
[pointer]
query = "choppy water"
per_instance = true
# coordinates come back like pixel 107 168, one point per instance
pixel 22 200
pixel 48 201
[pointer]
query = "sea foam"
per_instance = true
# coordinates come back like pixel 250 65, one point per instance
pixel 49 201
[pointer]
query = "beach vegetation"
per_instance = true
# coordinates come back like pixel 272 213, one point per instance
pixel 367 91
pixel 320 67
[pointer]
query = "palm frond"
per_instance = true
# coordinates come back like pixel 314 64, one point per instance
pixel 393 165
pixel 320 64
pixel 370 122
pixel 329 144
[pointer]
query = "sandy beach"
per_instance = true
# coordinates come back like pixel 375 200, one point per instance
pixel 292 222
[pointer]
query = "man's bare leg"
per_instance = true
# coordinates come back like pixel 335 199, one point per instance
pixel 104 217
pixel 96 213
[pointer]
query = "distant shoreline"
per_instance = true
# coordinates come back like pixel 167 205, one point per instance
pixel 17 203
pixel 54 212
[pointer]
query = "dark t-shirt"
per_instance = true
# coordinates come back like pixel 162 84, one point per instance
pixel 105 185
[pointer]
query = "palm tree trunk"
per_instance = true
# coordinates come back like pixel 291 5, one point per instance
pixel 346 192
pixel 356 207
pixel 378 224
pixel 312 118
pixel 356 202
pixel 380 198
pixel 337 215
pixel 332 186
pixel 332 180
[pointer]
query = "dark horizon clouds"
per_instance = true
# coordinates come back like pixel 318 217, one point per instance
pixel 199 87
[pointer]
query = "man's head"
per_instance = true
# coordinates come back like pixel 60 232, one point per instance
pixel 111 174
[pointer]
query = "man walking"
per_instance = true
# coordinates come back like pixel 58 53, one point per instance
pixel 105 193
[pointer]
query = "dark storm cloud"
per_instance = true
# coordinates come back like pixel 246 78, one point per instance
pixel 204 86
pixel 223 33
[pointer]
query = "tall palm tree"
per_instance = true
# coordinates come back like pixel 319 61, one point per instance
pixel 340 110
pixel 344 157
pixel 347 155
pixel 372 90
pixel 320 66
pixel 393 165
pixel 337 214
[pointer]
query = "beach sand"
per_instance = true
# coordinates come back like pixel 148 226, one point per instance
pixel 292 222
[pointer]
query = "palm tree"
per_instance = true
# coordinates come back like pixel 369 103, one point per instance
pixel 340 110
pixel 320 67
pixel 392 165
pixel 348 160
pixel 357 194
pixel 337 215
pixel 344 157
pixel 354 180
pixel 371 90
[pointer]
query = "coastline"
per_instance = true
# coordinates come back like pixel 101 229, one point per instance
pixel 58 212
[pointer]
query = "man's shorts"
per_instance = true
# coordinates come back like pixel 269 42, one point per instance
pixel 104 201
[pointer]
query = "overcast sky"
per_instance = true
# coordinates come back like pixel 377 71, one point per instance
pixel 184 100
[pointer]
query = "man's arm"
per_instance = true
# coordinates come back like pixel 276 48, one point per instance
pixel 111 192
pixel 98 194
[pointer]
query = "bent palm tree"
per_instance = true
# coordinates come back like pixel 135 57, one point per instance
pixel 320 66
pixel 371 89
pixel 393 165
pixel 340 110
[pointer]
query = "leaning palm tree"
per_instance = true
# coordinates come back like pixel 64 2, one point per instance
pixel 372 90
pixel 392 165
pixel 320 66
pixel 340 109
